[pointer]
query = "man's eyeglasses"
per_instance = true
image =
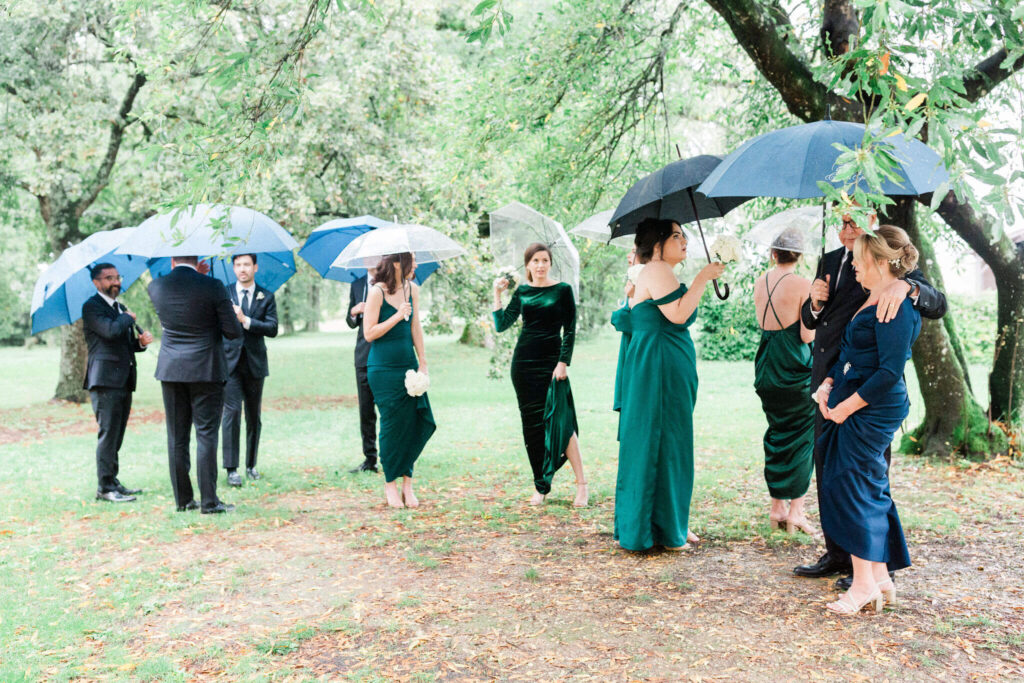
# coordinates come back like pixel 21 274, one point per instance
pixel 110 278
pixel 850 223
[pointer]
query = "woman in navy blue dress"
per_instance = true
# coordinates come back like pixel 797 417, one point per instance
pixel 864 401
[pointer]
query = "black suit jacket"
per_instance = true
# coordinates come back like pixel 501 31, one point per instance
pixel 112 346
pixel 195 315
pixel 263 323
pixel 843 303
pixel 357 294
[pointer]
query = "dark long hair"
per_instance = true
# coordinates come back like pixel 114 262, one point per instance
pixel 650 233
pixel 532 251
pixel 387 274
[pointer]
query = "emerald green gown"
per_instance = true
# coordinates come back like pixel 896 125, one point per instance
pixel 545 405
pixel 406 422
pixel 656 389
pixel 782 379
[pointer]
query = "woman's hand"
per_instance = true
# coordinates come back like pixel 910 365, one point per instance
pixel 711 271
pixel 822 395
pixel 405 310
pixel 500 284
pixel 423 367
pixel 561 371
pixel 630 290
pixel 842 411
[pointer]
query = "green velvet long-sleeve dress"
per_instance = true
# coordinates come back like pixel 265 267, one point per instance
pixel 406 422
pixel 656 390
pixel 782 379
pixel 545 405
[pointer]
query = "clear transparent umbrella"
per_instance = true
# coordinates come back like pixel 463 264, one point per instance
pixel 598 228
pixel 515 226
pixel 426 244
pixel 797 230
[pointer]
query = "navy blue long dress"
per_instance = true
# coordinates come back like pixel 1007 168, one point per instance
pixel 856 507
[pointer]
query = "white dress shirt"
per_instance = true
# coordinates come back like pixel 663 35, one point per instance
pixel 240 292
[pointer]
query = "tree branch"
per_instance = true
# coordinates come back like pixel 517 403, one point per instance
pixel 1000 254
pixel 117 128
pixel 988 74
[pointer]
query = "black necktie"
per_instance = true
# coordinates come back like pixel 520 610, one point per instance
pixel 845 268
pixel 245 301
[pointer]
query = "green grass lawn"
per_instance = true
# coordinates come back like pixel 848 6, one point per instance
pixel 80 578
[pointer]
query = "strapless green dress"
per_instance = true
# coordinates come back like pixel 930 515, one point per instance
pixel 545 405
pixel 656 389
pixel 406 422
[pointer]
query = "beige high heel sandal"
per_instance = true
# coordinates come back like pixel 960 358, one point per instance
pixel 776 523
pixel 888 590
pixel 801 524
pixel 846 607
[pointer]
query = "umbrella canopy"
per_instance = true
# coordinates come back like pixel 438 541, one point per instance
pixel 274 268
pixel 208 230
pixel 598 228
pixel 328 241
pixel 65 285
pixel 426 244
pixel 797 230
pixel 790 162
pixel 669 193
pixel 515 226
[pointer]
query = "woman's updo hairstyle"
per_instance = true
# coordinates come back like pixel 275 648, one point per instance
pixel 532 251
pixel 651 232
pixel 387 274
pixel 889 245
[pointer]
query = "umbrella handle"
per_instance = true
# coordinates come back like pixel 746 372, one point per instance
pixel 723 295
pixel 723 292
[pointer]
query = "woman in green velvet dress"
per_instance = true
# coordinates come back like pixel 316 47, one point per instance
pixel 540 371
pixel 391 323
pixel 782 379
pixel 656 391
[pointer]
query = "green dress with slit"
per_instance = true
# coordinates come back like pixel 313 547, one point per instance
pixel 545 405
pixel 782 379
pixel 656 389
pixel 406 422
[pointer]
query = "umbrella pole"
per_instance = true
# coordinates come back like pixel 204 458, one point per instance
pixel 723 295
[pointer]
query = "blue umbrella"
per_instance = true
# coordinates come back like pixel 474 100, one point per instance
pixel 63 287
pixel 275 268
pixel 326 242
pixel 789 163
pixel 208 230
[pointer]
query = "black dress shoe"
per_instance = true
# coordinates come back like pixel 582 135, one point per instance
pixel 365 466
pixel 219 508
pixel 825 566
pixel 114 497
pixel 252 473
pixel 234 479
pixel 843 583
pixel 191 505
pixel 125 491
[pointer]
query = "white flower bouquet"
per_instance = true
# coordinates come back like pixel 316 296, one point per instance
pixel 508 273
pixel 633 274
pixel 416 382
pixel 726 249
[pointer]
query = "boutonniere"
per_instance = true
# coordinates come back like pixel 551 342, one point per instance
pixel 259 296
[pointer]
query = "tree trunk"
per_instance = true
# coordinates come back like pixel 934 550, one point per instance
pixel 954 421
pixel 73 354
pixel 1006 383
pixel 313 317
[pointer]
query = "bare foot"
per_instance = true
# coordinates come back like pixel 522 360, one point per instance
pixel 537 498
pixel 394 498
pixel 794 524
pixel 582 496
pixel 691 537
pixel 410 498
pixel 677 548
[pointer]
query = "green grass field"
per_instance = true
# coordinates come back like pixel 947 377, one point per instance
pixel 278 589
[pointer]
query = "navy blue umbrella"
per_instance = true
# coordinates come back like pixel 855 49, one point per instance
pixel 274 268
pixel 668 193
pixel 791 161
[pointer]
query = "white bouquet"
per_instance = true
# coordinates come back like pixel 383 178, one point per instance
pixel 508 273
pixel 633 274
pixel 726 249
pixel 416 382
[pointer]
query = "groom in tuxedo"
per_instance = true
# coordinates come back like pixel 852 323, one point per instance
pixel 367 414
pixel 834 299
pixel 196 315
pixel 110 333
pixel 247 366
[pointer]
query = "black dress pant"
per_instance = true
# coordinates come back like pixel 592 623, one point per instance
pixel 189 404
pixel 832 549
pixel 367 414
pixel 112 408
pixel 242 389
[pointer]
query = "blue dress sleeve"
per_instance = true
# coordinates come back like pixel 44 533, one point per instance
pixel 506 317
pixel 893 339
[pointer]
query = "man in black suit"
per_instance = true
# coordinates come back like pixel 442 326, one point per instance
pixel 247 366
pixel 367 414
pixel 195 314
pixel 834 299
pixel 110 374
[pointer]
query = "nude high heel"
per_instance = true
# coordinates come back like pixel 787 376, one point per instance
pixel 888 590
pixel 846 607
pixel 777 523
